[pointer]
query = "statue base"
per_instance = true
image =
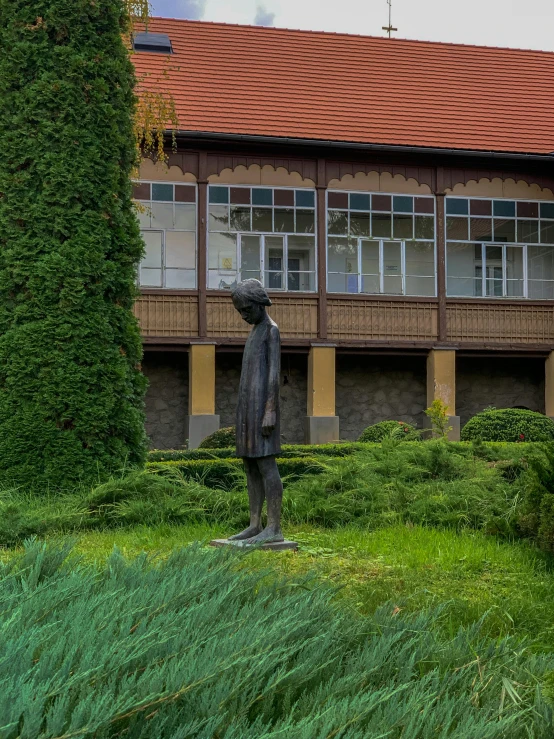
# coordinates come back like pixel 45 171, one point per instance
pixel 270 546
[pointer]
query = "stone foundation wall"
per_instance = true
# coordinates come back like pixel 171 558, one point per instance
pixel 372 389
pixel 501 382
pixel 293 393
pixel 166 398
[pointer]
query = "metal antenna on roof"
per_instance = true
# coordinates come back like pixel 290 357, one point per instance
pixel 389 29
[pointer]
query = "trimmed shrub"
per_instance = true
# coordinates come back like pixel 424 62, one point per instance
pixel 509 424
pixel 228 473
pixel 389 429
pixel 288 451
pixel 71 407
pixel 222 439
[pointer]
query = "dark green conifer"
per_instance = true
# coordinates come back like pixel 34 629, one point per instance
pixel 71 391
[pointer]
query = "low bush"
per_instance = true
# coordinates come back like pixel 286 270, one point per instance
pixel 221 439
pixel 197 647
pixel 288 451
pixel 389 429
pixel 509 424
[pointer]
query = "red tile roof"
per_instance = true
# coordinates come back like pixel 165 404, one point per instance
pixel 335 87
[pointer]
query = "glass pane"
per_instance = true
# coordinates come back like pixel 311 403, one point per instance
pixel 250 254
pixel 240 219
pixel 480 229
pixel 370 284
pixel 423 286
pixel 303 281
pixel 185 194
pixel 337 200
pixel 504 230
pixel 528 232
pixel 493 287
pixel 219 218
pixel 284 220
pixel 514 263
pixel 463 287
pixel 547 210
pixel 359 224
pixel 222 252
pixel 420 259
pixel 337 222
pixel 153 249
pixel 343 257
pixel 141 191
pixel 494 255
pixel 143 215
pixel 262 219
pixel 180 249
pixel 403 227
pixel 180 278
pixel 381 202
pixel 283 197
pixel 262 196
pixel 392 268
pixel 217 281
pixel 370 258
pixel 161 191
pixel 527 210
pixel 162 215
pixel 301 251
pixel 359 201
pixel 305 221
pixel 342 283
pixel 540 263
pixel 424 205
pixel 547 232
pixel 514 288
pixel 275 280
pixel 403 204
pixel 480 207
pixel 504 208
pixel 219 195
pixel 457 206
pixel 150 277
pixel 305 199
pixel 457 229
pixel 392 285
pixel 461 261
pixel 240 195
pixel 274 248
pixel 185 217
pixel 539 290
pixel 381 225
pixel 424 227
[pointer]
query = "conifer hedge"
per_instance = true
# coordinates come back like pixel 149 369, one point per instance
pixel 71 391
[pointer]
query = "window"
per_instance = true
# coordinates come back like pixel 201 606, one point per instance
pixel 380 244
pixel 261 232
pixel 168 225
pixel 499 248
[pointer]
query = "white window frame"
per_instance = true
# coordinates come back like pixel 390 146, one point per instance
pixel 285 270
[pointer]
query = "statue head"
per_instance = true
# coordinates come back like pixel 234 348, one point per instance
pixel 250 299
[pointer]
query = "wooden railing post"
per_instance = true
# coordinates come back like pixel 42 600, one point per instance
pixel 202 244
pixel 321 189
pixel 441 268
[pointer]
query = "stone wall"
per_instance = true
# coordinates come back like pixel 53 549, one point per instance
pixel 166 398
pixel 501 382
pixel 372 389
pixel 293 393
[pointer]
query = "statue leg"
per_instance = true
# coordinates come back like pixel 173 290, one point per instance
pixel 255 498
pixel 273 487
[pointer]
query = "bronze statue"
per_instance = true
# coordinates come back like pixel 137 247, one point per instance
pixel 258 422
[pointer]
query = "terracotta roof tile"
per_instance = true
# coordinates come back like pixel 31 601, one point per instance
pixel 308 85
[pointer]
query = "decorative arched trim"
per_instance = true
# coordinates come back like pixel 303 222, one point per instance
pixel 499 188
pixel 158 172
pixel 256 175
pixel 375 181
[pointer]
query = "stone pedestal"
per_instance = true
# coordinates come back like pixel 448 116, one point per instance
pixel 199 427
pixel 321 429
pixel 274 546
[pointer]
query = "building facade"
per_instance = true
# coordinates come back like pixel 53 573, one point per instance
pixel 403 265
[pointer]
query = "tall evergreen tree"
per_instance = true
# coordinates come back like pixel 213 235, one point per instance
pixel 71 390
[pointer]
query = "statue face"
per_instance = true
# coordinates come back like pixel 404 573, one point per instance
pixel 251 312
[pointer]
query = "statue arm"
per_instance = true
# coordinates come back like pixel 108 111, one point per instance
pixel 274 371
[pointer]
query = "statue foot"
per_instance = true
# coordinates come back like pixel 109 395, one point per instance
pixel 246 534
pixel 268 536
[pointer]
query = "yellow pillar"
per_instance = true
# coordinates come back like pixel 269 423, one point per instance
pixel 202 420
pixel 441 385
pixel 322 425
pixel 549 385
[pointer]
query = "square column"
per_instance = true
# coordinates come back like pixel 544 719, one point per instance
pixel 322 425
pixel 549 386
pixel 441 385
pixel 201 421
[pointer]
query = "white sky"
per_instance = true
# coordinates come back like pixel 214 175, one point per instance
pixel 517 23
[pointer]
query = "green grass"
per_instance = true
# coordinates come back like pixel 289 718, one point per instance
pixel 508 585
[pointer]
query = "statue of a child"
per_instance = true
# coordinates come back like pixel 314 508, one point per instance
pixel 258 427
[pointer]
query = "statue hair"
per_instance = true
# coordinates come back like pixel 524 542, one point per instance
pixel 250 291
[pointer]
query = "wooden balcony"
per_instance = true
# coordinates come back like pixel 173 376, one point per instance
pixel 167 315
pixel 359 319
pixel 478 322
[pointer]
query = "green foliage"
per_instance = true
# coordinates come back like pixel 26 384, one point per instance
pixel 288 451
pixel 222 439
pixel 387 430
pixel 437 413
pixel 509 424
pixel 71 407
pixel 196 647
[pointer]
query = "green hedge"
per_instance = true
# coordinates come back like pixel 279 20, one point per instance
pixel 220 439
pixel 226 473
pixel 387 429
pixel 510 425
pixel 288 451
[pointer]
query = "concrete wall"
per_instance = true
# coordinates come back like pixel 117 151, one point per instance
pixel 373 389
pixel 166 398
pixel 501 382
pixel 293 393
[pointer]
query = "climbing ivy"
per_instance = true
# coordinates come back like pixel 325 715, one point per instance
pixel 71 390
